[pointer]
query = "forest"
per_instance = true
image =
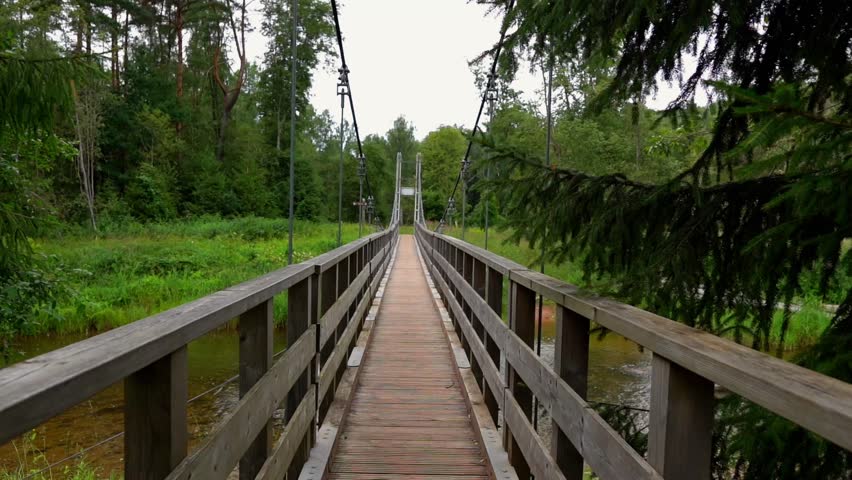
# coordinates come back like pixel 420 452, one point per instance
pixel 146 123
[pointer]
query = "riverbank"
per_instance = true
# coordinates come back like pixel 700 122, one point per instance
pixel 131 272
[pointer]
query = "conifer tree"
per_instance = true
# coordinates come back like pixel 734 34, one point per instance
pixel 727 240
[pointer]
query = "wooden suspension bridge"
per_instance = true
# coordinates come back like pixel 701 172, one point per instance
pixel 400 365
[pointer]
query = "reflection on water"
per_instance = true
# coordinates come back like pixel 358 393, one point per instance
pixel 619 371
pixel 212 359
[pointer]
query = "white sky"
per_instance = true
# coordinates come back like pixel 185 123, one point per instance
pixel 410 57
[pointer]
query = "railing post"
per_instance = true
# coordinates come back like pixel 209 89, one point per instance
pixel 466 271
pixel 255 359
pixel 494 297
pixel 458 265
pixel 571 362
pixel 302 300
pixel 327 282
pixel 681 426
pixel 155 433
pixel 478 282
pixel 522 322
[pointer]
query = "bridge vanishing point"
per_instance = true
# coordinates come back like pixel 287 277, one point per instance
pixel 400 365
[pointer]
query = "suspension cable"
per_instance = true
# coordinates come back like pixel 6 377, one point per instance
pixel 492 76
pixel 345 80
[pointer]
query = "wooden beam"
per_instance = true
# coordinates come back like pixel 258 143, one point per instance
pixel 290 440
pixel 490 370
pixel 255 360
pixel 332 318
pixel 478 282
pixel 231 438
pixel 41 387
pixel 571 363
pixel 681 428
pixel 537 460
pixel 155 433
pixel 303 309
pixel 522 323
pixel 494 298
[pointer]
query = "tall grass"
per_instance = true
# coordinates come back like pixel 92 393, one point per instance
pixel 126 274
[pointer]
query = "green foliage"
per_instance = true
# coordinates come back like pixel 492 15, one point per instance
pixel 442 150
pixel 135 270
pixel 152 194
pixel 756 218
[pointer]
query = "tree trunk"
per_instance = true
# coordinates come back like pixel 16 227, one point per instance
pixel 86 115
pixel 278 131
pixel 223 129
pixel 126 44
pixel 179 74
pixel 114 50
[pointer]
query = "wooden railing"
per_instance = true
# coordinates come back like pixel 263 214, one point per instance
pixel 685 366
pixel 327 301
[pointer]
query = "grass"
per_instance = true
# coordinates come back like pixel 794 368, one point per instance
pixel 806 324
pixel 126 274
pixel 34 465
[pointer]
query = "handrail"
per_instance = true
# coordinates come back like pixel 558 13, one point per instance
pixel 149 355
pixel 686 364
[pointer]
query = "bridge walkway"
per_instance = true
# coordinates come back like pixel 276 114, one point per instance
pixel 408 417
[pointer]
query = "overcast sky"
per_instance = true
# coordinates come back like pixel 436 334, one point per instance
pixel 410 57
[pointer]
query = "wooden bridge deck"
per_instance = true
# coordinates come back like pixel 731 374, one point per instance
pixel 408 417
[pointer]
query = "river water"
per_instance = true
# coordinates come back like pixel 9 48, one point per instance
pixel 619 370
pixel 213 359
pixel 619 373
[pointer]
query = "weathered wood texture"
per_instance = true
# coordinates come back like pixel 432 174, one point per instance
pixel 255 360
pixel 155 418
pixel 814 401
pixel 681 430
pixel 408 417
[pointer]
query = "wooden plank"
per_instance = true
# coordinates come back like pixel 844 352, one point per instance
pixel 600 446
pixel 408 405
pixel 224 446
pixel 535 455
pixel 331 318
pixel 340 352
pixel 488 368
pixel 291 438
pixel 329 259
pixel 255 330
pixel 494 299
pixel 681 427
pixel 571 363
pixel 304 304
pixel 522 324
pixel 495 261
pixel 493 324
pixel 155 430
pixel 37 389
pixel 817 402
